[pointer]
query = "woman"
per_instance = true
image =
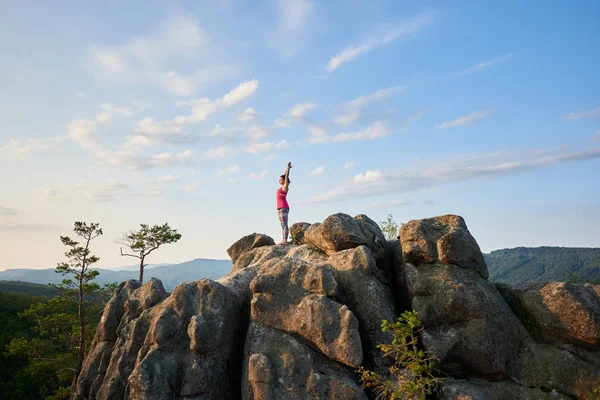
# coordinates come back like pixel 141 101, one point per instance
pixel 283 208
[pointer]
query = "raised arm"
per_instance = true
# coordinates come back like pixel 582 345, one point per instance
pixel 286 184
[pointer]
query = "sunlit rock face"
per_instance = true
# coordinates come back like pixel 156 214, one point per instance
pixel 296 321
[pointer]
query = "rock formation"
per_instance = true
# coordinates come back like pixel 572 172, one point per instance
pixel 296 321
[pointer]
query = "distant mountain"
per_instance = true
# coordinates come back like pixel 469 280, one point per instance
pixel 169 274
pixel 544 264
pixel 34 289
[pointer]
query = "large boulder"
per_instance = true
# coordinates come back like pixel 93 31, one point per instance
pixel 479 389
pixel 341 232
pixel 259 255
pixel 278 366
pixel 297 231
pixel 558 312
pixel 165 353
pixel 444 239
pixel 129 300
pixel 247 243
pixel 547 367
pixel 293 296
pixel 363 288
pixel 467 324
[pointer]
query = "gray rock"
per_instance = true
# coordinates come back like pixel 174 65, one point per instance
pixel 362 287
pixel 293 296
pixel 467 324
pixel 277 366
pixel 478 389
pixel 247 243
pixel 558 312
pixel 444 239
pixel 297 231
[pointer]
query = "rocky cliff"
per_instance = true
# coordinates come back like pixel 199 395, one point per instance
pixel 296 321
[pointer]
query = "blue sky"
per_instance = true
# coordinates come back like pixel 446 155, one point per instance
pixel 187 112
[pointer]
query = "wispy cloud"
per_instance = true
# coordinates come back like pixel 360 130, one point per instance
pixel 12 226
pixel 486 64
pixel 229 170
pixel 111 189
pixel 296 113
pixel 192 186
pixel 293 22
pixel 256 147
pixel 377 130
pixel 141 162
pixel 317 171
pixel 410 26
pixel 258 176
pixel 377 182
pixel 353 109
pixel 20 150
pixel 79 95
pixel 170 178
pixel 146 59
pixel 475 116
pixel 8 211
pixel 349 164
pixel 584 114
pixel 393 203
pixel 249 114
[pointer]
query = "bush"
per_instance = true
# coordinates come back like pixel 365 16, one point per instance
pixel 411 375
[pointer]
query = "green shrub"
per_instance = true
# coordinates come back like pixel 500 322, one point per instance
pixel 411 375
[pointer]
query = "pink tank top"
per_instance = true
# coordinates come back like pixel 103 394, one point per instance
pixel 281 199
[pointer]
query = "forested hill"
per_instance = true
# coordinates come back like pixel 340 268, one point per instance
pixel 544 264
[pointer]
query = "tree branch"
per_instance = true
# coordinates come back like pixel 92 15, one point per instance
pixel 128 255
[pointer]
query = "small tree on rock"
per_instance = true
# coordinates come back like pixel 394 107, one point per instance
pixel 389 227
pixel 146 240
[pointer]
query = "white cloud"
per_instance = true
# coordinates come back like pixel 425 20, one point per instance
pixel 293 17
pixel 349 164
pixel 166 179
pixel 79 95
pixel 8 211
pixel 249 114
pixel 113 188
pixel 202 108
pixel 411 26
pixel 110 110
pixel 269 157
pixel 377 130
pixel 191 186
pixel 83 131
pixel 138 162
pixel 393 203
pixel 481 66
pixel 317 171
pixel 17 150
pixel 353 108
pixel 583 114
pixel 349 117
pixel 465 120
pixel 219 152
pixel 296 113
pixel 147 59
pixel 229 170
pixel 369 176
pixel 431 175
pixel 255 147
pixel 258 176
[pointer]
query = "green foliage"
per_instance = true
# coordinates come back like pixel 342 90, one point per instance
pixel 411 375
pixel 389 227
pixel 61 329
pixel 544 264
pixel 146 240
pixel 595 392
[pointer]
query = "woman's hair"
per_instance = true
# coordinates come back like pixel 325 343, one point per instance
pixel 283 177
